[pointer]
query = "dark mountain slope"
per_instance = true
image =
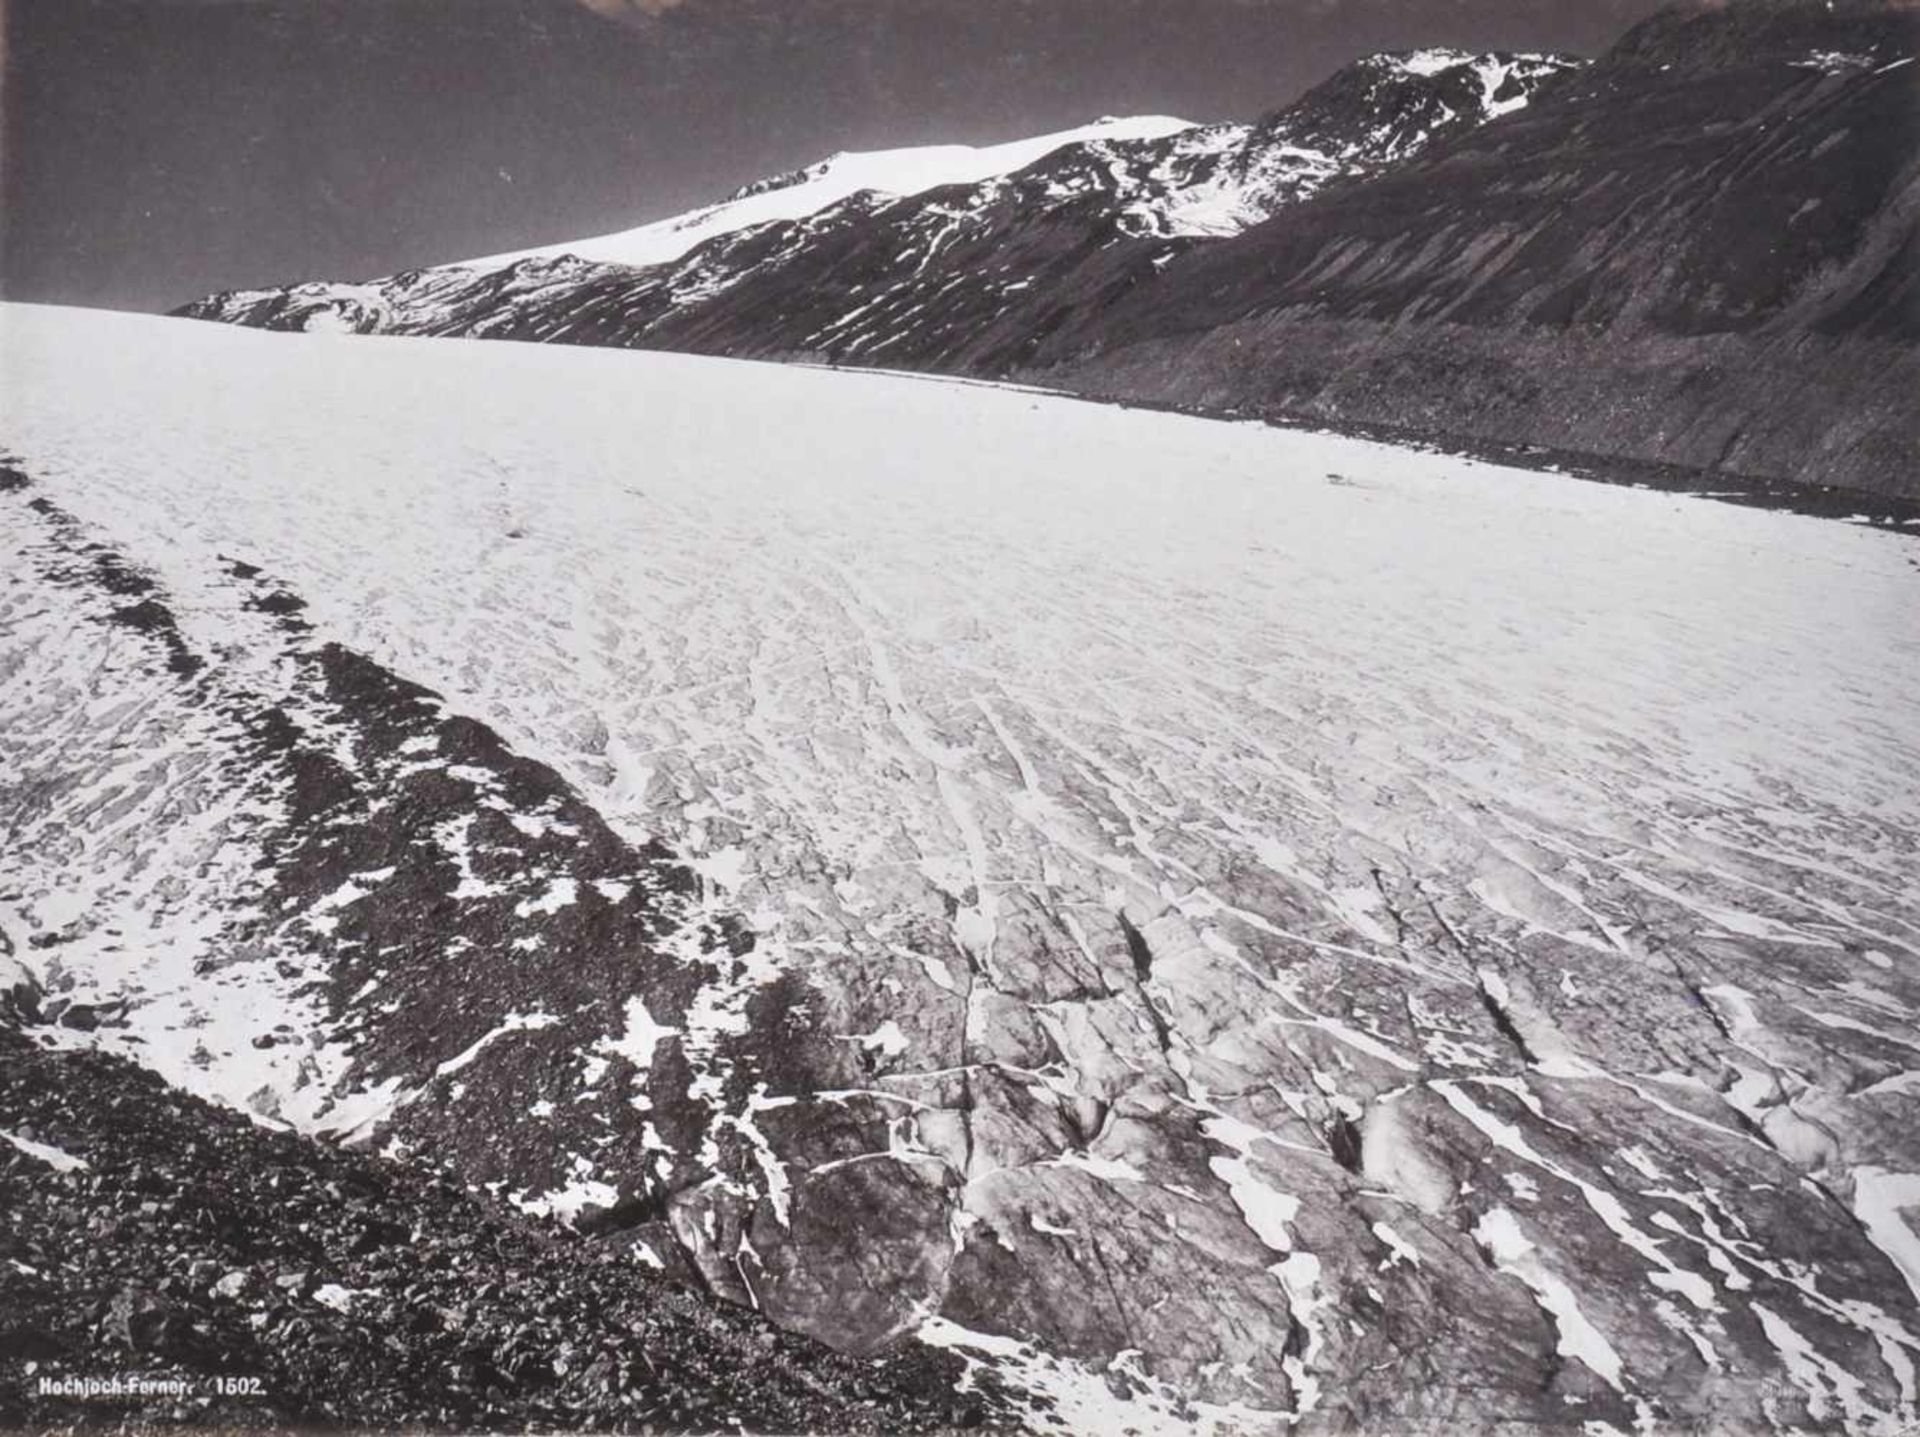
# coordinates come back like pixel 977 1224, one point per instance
pixel 157 149
pixel 973 278
pixel 967 277
pixel 1700 251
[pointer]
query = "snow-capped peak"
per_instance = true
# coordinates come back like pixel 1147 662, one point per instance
pixel 908 171
pixel 1429 62
pixel 901 232
pixel 1495 71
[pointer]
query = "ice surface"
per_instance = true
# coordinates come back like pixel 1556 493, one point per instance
pixel 1889 1205
pixel 1511 1251
pixel 1360 784
pixel 795 617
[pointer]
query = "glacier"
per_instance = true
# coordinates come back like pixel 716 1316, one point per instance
pixel 1293 930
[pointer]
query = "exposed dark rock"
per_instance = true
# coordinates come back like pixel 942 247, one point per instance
pixel 479 940
pixel 1699 251
pixel 290 1283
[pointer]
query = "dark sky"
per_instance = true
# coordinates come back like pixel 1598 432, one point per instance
pixel 159 149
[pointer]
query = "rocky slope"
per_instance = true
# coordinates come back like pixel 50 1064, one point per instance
pixel 1217 927
pixel 1702 250
pixel 274 1281
pixel 905 273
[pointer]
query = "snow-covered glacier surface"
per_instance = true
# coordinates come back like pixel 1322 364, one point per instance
pixel 1267 928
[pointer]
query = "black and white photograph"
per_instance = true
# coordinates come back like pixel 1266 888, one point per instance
pixel 1065 718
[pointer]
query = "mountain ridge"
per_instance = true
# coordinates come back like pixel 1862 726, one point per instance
pixel 1701 251
pixel 807 190
pixel 955 276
